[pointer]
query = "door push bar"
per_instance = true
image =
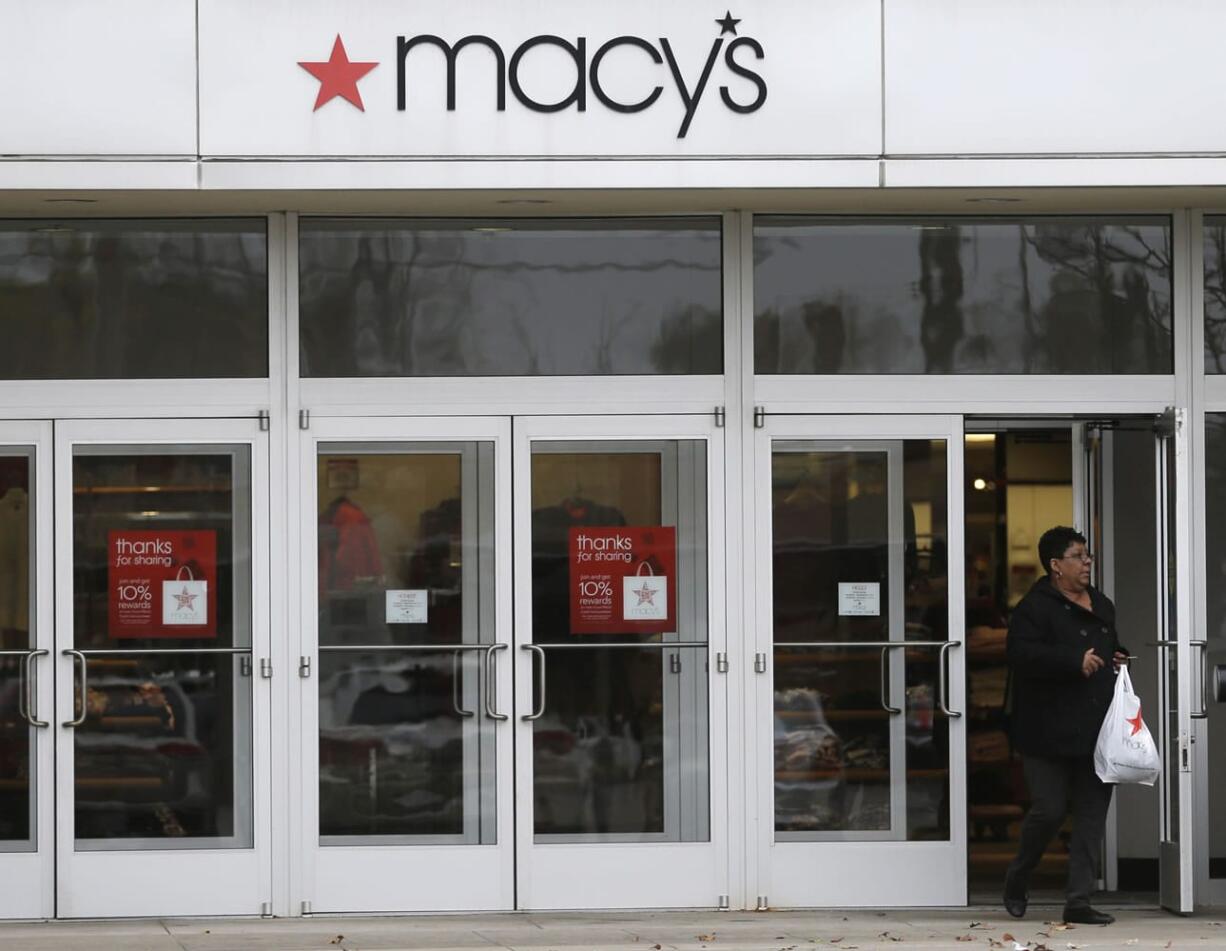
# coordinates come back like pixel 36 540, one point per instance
pixel 83 688
pixel 30 694
pixel 27 686
pixel 886 647
pixel 491 682
pixel 1202 679
pixel 540 659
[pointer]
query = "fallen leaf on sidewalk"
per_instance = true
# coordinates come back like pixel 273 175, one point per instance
pixel 964 937
pixel 888 936
pixel 337 940
pixel 976 924
pixel 1007 936
pixel 706 937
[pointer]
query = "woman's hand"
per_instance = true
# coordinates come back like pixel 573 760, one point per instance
pixel 1090 662
pixel 1119 659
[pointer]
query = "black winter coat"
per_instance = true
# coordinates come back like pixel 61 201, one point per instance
pixel 1053 709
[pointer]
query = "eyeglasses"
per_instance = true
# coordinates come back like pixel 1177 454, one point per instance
pixel 1084 556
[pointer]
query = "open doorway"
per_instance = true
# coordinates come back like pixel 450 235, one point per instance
pixel 1023 477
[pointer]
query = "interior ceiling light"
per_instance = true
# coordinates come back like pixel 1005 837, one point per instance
pixel 981 437
pixel 980 484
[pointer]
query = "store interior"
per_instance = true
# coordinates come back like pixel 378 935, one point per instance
pixel 1021 480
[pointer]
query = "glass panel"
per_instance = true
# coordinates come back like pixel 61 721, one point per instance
pixel 18 740
pixel 1049 295
pixel 1215 631
pixel 1169 655
pixel 510 297
pixel 406 610
pixel 1215 295
pixel 91 299
pixel 860 542
pixel 162 611
pixel 619 571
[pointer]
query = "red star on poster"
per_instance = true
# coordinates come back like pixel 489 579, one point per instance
pixel 1136 722
pixel 338 76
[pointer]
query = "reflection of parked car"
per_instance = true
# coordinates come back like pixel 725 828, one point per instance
pixel 144 767
pixel 392 750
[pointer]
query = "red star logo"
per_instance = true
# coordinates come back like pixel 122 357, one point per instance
pixel 338 76
pixel 1136 722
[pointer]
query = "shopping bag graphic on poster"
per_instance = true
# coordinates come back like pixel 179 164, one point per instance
pixel 185 600
pixel 1125 752
pixel 645 596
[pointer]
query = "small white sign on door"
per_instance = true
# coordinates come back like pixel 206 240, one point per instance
pixel 859 598
pixel 407 606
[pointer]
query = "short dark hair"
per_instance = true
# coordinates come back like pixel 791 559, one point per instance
pixel 1055 542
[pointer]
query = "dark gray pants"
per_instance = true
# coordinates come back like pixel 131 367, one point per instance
pixel 1059 787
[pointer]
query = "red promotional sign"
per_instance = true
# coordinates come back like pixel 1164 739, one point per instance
pixel 623 579
pixel 162 584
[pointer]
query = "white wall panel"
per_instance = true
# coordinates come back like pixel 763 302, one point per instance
pixel 821 66
pixel 1053 76
pixel 98 77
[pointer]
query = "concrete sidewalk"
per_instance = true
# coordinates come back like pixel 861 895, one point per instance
pixel 738 931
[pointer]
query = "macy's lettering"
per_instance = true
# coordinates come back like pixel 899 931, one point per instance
pixel 587 73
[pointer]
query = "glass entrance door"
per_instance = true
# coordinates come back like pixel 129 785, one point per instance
pixel 27 801
pixel 860 743
pixel 406 670
pixel 162 696
pixel 620 658
pixel 1181 692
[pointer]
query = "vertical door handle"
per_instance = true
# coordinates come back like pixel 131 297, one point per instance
pixel 456 659
pixel 885 683
pixel 82 688
pixel 943 686
pixel 491 682
pixel 30 699
pixel 540 657
pixel 1202 680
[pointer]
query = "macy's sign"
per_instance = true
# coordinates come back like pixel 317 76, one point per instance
pixel 742 89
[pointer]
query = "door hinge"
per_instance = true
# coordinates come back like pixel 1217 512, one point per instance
pixel 720 416
pixel 759 663
pixel 265 420
pixel 244 665
pixel 265 909
pixel 306 909
pixel 674 663
pixel 266 668
pixel 763 904
pixel 724 903
pixel 304 419
pixel 304 666
pixel 721 662
pixel 759 417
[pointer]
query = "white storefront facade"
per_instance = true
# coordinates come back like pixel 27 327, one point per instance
pixel 487 456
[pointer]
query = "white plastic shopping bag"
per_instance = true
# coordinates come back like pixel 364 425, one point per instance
pixel 645 596
pixel 185 600
pixel 1126 752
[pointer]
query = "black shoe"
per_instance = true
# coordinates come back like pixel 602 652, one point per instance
pixel 1015 898
pixel 1085 915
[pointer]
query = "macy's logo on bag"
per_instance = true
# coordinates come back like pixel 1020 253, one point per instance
pixel 743 89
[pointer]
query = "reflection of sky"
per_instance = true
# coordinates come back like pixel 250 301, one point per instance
pixel 512 301
pixel 872 273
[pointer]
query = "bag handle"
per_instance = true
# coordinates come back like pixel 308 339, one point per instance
pixel 638 572
pixel 179 573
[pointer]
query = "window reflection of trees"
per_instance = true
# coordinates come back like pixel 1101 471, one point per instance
pixel 1037 296
pixel 134 300
pixel 497 300
pixel 1215 295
